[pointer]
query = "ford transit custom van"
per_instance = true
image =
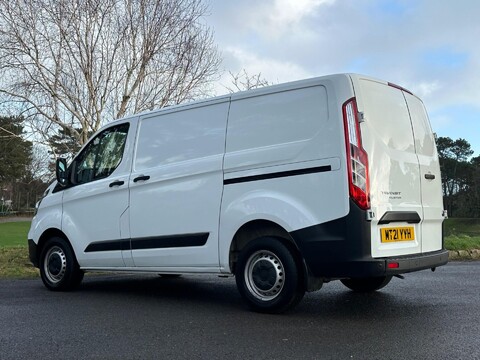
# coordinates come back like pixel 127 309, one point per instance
pixel 285 187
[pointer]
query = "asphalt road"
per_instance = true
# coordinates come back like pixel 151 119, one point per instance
pixel 426 316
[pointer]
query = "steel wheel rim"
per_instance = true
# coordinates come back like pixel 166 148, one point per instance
pixel 55 264
pixel 264 275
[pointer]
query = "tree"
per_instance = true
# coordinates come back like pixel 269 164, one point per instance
pixel 242 81
pixel 15 165
pixel 72 65
pixel 459 183
pixel 15 152
pixel 453 156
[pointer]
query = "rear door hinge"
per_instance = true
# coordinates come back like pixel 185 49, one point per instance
pixel 361 117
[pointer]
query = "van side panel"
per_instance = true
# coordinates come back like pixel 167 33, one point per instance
pixel 283 162
pixel 174 208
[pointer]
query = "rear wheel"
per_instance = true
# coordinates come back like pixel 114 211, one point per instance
pixel 58 266
pixel 366 284
pixel 268 276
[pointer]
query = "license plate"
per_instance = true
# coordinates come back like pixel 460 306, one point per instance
pixel 397 234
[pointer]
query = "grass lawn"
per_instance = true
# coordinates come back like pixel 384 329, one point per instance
pixel 14 260
pixel 14 233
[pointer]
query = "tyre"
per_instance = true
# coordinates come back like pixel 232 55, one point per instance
pixel 366 284
pixel 269 278
pixel 58 266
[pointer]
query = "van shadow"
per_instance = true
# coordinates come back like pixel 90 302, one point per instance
pixel 188 290
pixel 213 293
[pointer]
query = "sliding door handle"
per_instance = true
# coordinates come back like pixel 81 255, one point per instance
pixel 429 176
pixel 141 178
pixel 116 183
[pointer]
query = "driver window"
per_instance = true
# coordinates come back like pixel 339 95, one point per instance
pixel 101 156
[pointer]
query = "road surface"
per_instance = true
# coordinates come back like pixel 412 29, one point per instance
pixel 426 316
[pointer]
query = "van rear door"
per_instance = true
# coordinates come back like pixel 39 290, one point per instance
pixel 395 173
pixel 430 178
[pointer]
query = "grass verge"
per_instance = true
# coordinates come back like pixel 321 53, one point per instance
pixel 14 263
pixel 462 242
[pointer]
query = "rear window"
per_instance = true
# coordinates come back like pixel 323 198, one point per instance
pixel 387 114
pixel 424 140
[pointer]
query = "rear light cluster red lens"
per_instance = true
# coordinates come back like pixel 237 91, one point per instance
pixel 357 158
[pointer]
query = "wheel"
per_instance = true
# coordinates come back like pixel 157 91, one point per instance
pixel 58 266
pixel 269 277
pixel 366 284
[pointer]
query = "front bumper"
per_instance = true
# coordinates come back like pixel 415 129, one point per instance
pixel 32 252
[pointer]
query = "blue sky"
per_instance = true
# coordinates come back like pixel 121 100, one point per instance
pixel 427 46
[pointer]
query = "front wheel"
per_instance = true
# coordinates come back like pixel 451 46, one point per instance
pixel 366 284
pixel 269 277
pixel 58 266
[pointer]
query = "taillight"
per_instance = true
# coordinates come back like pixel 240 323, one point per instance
pixel 357 159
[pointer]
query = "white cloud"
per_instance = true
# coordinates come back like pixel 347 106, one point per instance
pixel 273 20
pixel 425 89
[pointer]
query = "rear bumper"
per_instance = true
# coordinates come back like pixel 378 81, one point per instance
pixel 416 262
pixel 369 267
pixel 342 249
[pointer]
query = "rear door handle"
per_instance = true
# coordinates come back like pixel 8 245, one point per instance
pixel 116 183
pixel 429 176
pixel 141 178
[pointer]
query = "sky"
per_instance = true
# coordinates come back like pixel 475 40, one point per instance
pixel 429 47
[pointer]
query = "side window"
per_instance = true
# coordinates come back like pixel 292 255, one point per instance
pixel 101 156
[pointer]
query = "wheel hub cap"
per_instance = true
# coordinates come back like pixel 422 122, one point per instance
pixel 264 275
pixel 55 264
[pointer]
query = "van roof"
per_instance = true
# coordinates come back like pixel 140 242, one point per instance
pixel 255 92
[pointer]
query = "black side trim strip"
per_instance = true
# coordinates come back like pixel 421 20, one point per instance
pixel 410 217
pixel 161 242
pixel 110 245
pixel 158 242
pixel 280 174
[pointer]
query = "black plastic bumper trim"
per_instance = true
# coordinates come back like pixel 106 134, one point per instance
pixel 341 248
pixel 32 252
pixel 410 217
pixel 417 262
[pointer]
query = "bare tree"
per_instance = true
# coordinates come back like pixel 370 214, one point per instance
pixel 242 81
pixel 72 65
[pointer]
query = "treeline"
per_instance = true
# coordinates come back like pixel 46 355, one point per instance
pixel 23 171
pixel 460 177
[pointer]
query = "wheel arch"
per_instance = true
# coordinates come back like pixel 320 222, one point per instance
pixel 255 229
pixel 48 234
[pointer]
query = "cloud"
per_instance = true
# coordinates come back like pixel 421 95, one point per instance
pixel 273 19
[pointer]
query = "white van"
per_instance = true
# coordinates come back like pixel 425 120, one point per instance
pixel 285 187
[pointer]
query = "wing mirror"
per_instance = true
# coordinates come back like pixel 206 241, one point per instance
pixel 61 171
